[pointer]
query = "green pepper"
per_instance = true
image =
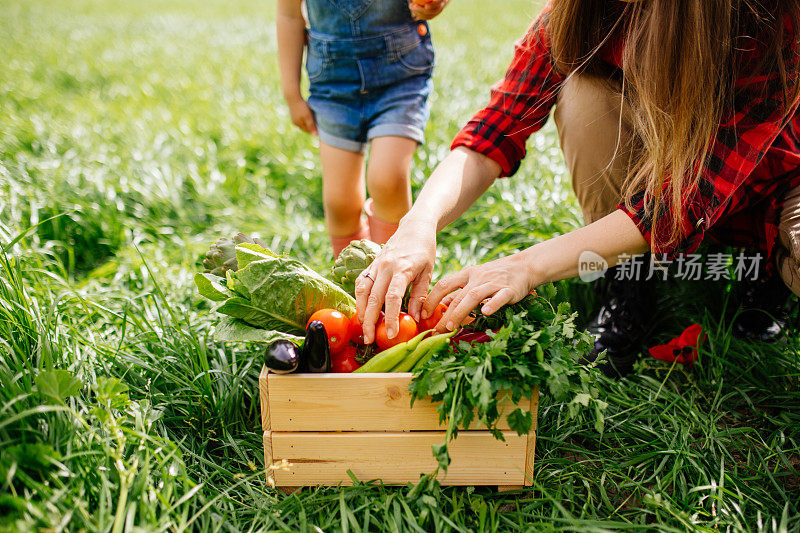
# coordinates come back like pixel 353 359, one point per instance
pixel 425 358
pixel 427 347
pixel 388 359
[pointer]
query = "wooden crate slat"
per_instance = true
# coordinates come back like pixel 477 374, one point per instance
pixel 268 461
pixel 263 394
pixel 531 438
pixel 350 402
pixel 323 458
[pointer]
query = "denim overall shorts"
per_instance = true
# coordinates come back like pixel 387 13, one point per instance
pixel 369 65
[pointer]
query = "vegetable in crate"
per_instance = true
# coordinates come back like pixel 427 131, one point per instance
pixel 345 365
pixel 345 361
pixel 269 297
pixel 386 360
pixel 534 345
pixel 357 256
pixel 355 331
pixel 424 351
pixel 316 350
pixel 221 255
pixel 282 357
pixel 407 329
pixel 431 321
pixel 337 326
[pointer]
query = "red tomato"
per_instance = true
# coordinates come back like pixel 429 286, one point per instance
pixel 344 365
pixel 407 331
pixel 430 322
pixel 356 332
pixel 345 360
pixel 337 326
pixel 344 353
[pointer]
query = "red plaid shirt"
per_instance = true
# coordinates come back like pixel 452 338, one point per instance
pixel 754 160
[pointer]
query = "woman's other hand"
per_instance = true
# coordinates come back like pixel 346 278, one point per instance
pixel 510 279
pixel 407 258
pixel 496 283
pixel 426 9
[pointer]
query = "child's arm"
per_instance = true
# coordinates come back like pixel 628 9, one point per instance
pixel 426 9
pixel 291 28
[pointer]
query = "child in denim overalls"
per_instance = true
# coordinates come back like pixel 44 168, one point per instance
pixel 369 64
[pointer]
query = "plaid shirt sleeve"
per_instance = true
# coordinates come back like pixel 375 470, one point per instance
pixel 726 185
pixel 519 105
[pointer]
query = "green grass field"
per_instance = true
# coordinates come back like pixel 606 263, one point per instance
pixel 133 134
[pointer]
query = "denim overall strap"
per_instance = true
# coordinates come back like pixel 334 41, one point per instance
pixel 372 61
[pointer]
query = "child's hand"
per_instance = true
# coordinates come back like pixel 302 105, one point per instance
pixel 301 114
pixel 426 9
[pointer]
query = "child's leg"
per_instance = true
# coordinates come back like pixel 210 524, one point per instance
pixel 389 184
pixel 342 194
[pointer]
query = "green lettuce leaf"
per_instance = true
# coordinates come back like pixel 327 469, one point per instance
pixel 246 253
pixel 232 330
pixel 273 293
pixel 212 287
pixel 283 293
pixel 230 282
pixel 242 308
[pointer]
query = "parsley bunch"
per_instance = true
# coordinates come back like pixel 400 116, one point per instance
pixel 532 344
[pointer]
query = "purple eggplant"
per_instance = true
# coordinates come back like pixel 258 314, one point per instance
pixel 316 350
pixel 282 357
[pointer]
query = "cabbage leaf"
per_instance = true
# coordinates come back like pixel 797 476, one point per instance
pixel 272 292
pixel 230 329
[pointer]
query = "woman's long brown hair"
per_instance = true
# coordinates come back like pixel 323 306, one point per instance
pixel 679 68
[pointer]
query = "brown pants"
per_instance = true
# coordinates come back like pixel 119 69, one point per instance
pixel 595 130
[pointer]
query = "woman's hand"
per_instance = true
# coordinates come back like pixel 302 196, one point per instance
pixel 496 283
pixel 301 115
pixel 406 259
pixel 426 9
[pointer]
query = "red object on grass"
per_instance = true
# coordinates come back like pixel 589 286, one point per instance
pixel 681 349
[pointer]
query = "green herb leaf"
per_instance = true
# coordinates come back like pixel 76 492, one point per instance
pixel 533 345
pixel 520 421
pixel 442 455
pixel 112 393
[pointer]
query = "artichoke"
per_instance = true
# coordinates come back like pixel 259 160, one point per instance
pixel 221 256
pixel 357 256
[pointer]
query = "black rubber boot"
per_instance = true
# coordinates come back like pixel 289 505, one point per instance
pixel 622 323
pixel 762 306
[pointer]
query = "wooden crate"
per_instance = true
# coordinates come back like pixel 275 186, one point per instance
pixel 319 426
